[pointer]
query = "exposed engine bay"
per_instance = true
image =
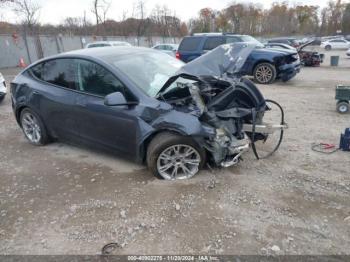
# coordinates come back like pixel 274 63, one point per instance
pixel 235 109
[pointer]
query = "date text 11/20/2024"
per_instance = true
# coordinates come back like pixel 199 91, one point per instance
pixel 172 258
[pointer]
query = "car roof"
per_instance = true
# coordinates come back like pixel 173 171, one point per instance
pixel 166 44
pixel 106 42
pixel 214 34
pixel 107 51
pixel 100 53
pixel 99 42
pixel 282 38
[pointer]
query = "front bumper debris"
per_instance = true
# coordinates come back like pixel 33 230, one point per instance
pixel 288 71
pixel 264 128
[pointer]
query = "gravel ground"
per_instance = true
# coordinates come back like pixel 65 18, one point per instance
pixel 62 199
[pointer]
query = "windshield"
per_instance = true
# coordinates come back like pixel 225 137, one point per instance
pixel 149 70
pixel 223 61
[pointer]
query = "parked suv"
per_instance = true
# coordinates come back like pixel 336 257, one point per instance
pixel 265 64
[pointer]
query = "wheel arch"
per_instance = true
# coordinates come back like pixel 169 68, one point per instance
pixel 18 113
pixel 146 142
pixel 261 61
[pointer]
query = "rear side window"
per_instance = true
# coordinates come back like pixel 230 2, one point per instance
pixel 213 42
pixel 190 43
pixel 61 72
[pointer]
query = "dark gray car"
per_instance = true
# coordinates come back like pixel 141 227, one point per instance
pixel 144 105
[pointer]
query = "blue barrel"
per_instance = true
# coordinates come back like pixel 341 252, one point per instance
pixel 334 60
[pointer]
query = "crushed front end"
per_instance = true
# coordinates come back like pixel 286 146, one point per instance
pixel 229 107
pixel 231 114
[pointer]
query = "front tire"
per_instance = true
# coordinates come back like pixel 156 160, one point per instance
pixel 173 157
pixel 33 128
pixel 265 73
pixel 328 47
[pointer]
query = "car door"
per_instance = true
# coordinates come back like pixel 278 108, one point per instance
pixel 344 44
pixel 106 126
pixel 334 44
pixel 55 96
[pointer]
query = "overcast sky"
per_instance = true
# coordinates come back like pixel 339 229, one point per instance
pixel 54 11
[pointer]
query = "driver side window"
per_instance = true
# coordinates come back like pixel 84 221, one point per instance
pixel 96 80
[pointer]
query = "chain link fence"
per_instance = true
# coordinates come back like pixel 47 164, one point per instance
pixel 31 48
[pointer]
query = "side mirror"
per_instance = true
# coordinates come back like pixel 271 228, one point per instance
pixel 118 99
pixel 115 99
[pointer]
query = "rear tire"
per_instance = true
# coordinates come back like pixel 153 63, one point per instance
pixel 2 98
pixel 265 73
pixel 343 107
pixel 171 156
pixel 33 128
pixel 328 47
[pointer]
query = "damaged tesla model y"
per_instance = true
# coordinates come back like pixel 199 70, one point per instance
pixel 147 106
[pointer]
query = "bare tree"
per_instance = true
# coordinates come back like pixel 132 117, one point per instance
pixel 28 10
pixel 142 20
pixel 100 10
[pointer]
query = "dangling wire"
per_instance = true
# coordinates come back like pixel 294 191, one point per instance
pixel 254 113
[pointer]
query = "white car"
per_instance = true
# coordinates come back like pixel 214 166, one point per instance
pixel 335 44
pixel 169 49
pixel 107 43
pixel 2 87
pixel 348 52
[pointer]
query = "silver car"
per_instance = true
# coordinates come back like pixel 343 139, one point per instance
pixel 169 49
pixel 2 87
pixel 107 43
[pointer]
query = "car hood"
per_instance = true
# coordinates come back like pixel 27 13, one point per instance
pixel 305 45
pixel 223 60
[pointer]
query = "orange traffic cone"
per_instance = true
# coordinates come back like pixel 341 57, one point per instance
pixel 22 64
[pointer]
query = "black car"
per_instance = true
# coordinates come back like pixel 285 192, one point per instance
pixel 145 105
pixel 264 64
pixel 285 40
pixel 280 46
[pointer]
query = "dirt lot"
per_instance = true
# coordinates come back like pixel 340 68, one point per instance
pixel 61 199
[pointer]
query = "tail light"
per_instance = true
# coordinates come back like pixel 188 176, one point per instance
pixel 177 55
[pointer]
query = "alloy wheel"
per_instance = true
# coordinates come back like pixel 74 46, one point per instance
pixel 343 108
pixel 31 127
pixel 264 74
pixel 178 162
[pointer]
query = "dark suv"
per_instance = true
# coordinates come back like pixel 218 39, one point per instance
pixel 265 64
